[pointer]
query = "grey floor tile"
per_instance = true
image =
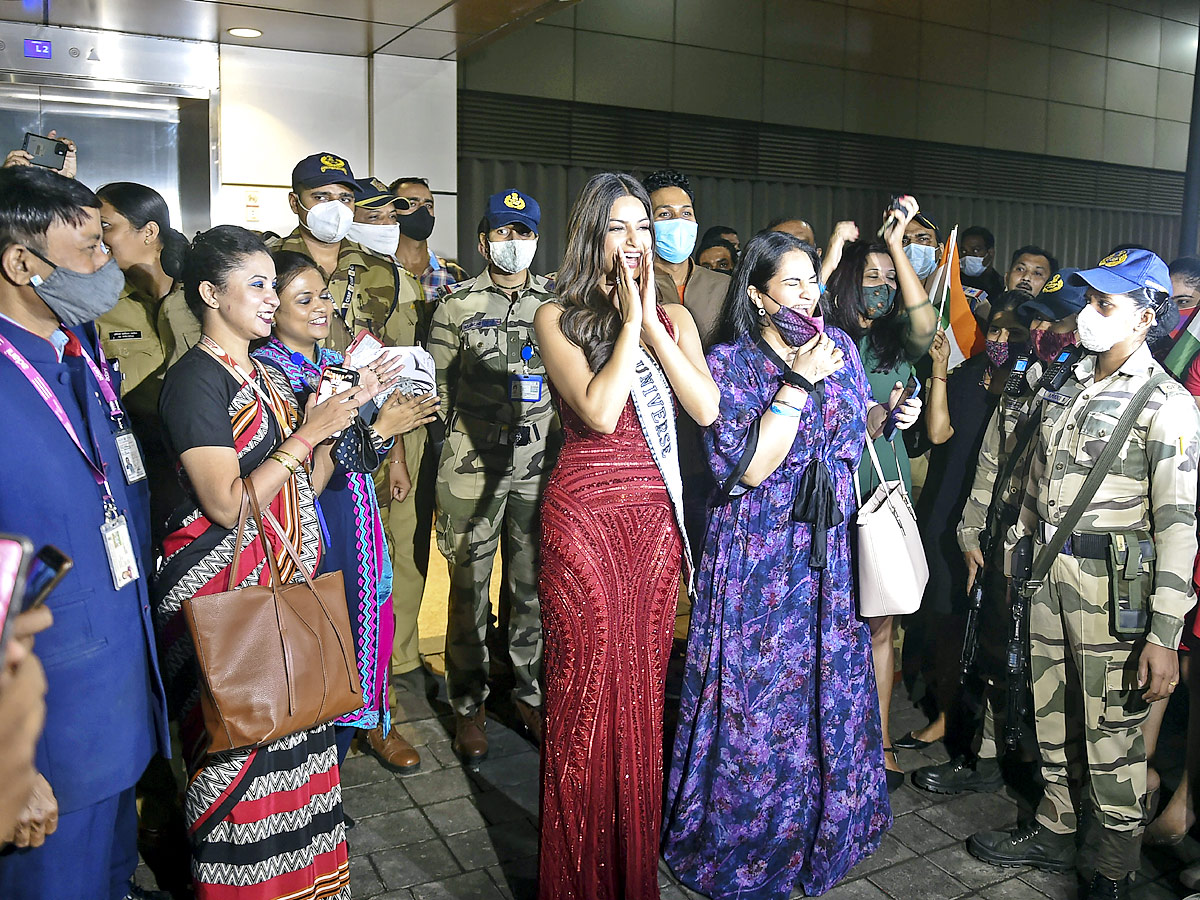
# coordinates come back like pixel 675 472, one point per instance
pixel 393 895
pixel 890 852
pixel 505 742
pixel 859 889
pixel 484 847
pixel 972 872
pixel 362 769
pixel 507 770
pixel 407 707
pixel 455 816
pixel 1154 890
pixel 434 787
pixel 415 864
pixel 502 806
pixel 443 752
pixel 909 799
pixel 516 880
pixel 1012 889
pixel 364 880
pixel 966 814
pixel 919 835
pixel 1059 886
pixel 396 829
pixel 375 799
pixel 918 879
pixel 471 886
pixel 420 732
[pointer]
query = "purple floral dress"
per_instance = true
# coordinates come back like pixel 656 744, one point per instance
pixel 777 776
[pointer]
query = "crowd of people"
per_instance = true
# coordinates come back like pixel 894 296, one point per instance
pixel 660 411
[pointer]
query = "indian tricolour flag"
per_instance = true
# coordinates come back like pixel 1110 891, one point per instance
pixel 947 295
pixel 1187 345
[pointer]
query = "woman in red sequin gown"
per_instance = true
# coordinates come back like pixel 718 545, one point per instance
pixel 611 552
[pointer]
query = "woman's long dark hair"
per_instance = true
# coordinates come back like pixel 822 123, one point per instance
pixel 757 265
pixel 845 303
pixel 212 256
pixel 141 205
pixel 589 319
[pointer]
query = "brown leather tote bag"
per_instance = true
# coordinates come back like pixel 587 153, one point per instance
pixel 274 659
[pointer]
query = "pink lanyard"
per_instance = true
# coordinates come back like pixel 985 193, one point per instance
pixel 104 380
pixel 34 377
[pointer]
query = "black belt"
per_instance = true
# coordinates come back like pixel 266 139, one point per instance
pixel 1080 544
pixel 488 432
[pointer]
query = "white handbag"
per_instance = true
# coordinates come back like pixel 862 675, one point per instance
pixel 891 564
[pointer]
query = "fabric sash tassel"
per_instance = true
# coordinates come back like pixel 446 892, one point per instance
pixel 816 503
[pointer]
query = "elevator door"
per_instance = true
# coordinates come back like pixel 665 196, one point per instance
pixel 120 137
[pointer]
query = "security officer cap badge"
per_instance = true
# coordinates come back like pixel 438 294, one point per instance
pixel 512 206
pixel 1054 284
pixel 1060 298
pixel 1115 259
pixel 321 169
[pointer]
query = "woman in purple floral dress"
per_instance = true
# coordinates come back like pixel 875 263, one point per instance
pixel 777 777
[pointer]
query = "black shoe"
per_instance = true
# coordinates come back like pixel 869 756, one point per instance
pixel 1034 845
pixel 350 823
pixel 1103 888
pixel 959 776
pixel 910 741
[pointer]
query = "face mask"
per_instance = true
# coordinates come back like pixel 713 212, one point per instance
pixel 328 221
pixel 1098 333
pixel 380 239
pixel 417 225
pixel 879 300
pixel 973 266
pixel 675 239
pixel 1048 345
pixel 78 297
pixel 922 258
pixel 795 327
pixel 997 352
pixel 512 256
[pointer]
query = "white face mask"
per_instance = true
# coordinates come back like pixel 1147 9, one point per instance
pixel 512 256
pixel 922 257
pixel 381 239
pixel 328 221
pixel 1099 333
pixel 973 266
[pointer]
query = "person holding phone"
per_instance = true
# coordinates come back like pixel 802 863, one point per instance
pixel 876 297
pixel 71 479
pixel 22 156
pixel 348 505
pixel 272 811
pixel 777 778
pixel 613 544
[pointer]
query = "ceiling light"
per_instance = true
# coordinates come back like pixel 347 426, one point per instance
pixel 244 32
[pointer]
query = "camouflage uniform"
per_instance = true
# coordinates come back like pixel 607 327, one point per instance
pixel 1150 489
pixel 371 292
pixel 486 481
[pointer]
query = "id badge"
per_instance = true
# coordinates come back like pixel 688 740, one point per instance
pixel 131 457
pixel 525 388
pixel 122 561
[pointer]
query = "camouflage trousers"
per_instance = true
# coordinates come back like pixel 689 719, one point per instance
pixel 486 489
pixel 400 527
pixel 1076 662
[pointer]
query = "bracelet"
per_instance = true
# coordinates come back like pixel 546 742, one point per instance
pixel 941 378
pixel 307 445
pixel 798 409
pixel 378 441
pixel 278 456
pixel 295 459
pixel 797 380
pixel 787 410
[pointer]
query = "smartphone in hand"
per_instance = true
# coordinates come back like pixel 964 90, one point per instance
pixel 911 389
pixel 335 380
pixel 48 153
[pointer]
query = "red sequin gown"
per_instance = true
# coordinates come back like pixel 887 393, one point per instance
pixel 610 566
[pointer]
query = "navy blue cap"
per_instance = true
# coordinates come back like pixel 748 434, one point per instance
pixel 371 193
pixel 321 169
pixel 511 206
pixel 1125 271
pixel 1060 297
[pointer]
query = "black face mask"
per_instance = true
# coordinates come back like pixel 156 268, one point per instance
pixel 417 225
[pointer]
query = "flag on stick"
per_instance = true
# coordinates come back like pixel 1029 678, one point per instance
pixel 947 295
pixel 1187 345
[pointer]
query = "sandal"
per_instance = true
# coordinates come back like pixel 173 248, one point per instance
pixel 894 778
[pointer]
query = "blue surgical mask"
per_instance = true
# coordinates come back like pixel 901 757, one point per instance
pixel 923 258
pixel 973 266
pixel 675 239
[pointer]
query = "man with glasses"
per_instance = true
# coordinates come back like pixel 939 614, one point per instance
pixel 415 213
pixel 363 285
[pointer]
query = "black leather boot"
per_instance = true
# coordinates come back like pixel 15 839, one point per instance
pixel 1103 888
pixel 1033 845
pixel 959 775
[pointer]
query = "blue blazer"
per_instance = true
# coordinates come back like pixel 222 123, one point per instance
pixel 105 708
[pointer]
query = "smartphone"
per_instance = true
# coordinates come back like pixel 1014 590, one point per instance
pixel 15 555
pixel 46 570
pixel 334 380
pixel 912 389
pixel 888 221
pixel 46 152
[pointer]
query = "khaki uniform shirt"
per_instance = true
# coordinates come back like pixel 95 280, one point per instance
pixel 1150 487
pixel 476 339
pixel 998 442
pixel 178 328
pixel 366 294
pixel 129 336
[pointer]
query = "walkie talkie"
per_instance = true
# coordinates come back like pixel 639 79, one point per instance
pixel 1059 369
pixel 1016 385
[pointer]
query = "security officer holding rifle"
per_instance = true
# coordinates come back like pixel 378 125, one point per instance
pixel 1110 516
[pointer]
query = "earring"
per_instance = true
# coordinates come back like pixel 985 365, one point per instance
pixel 762 313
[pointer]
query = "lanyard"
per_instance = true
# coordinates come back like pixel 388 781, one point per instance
pixel 104 380
pixel 34 377
pixel 224 357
